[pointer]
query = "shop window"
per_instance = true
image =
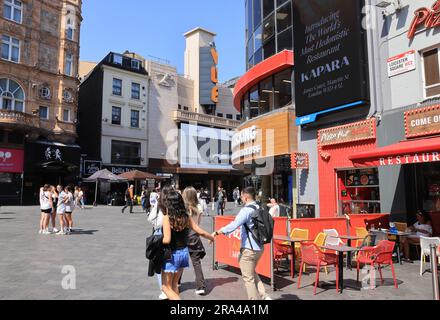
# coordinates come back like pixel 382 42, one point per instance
pixel 269 27
pixel 283 89
pixel 254 102
pixel 285 40
pixel 359 191
pixel 269 48
pixel 127 153
pixel 432 72
pixel 427 181
pixel 116 115
pixel 257 12
pixel 268 7
pixel 284 17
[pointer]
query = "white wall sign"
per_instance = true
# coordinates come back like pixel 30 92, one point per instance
pixel 401 63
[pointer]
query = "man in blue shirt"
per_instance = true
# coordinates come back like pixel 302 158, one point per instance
pixel 251 251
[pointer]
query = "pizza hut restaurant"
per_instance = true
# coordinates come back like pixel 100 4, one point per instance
pixel 409 169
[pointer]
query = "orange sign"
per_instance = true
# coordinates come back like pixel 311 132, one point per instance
pixel 300 160
pixel 422 122
pixel 214 75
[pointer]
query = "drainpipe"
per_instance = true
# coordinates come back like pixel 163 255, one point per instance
pixel 434 268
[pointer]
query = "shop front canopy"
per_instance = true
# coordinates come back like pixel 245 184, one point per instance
pixel 402 153
pixel 137 175
pixel 105 175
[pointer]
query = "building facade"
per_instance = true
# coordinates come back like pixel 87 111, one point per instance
pixel 38 93
pixel 267 136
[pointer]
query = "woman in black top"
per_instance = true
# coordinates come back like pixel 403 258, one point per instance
pixel 176 227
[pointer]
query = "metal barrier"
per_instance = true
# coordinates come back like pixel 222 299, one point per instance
pixel 434 268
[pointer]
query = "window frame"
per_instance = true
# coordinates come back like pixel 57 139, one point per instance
pixel 68 60
pixel 13 100
pixel 137 62
pixel 11 45
pixel 134 111
pixel 14 7
pixel 425 87
pixel 113 87
pixel 47 112
pixel 69 118
pixel 132 91
pixel 120 116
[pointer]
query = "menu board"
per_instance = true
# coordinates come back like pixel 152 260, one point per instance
pixel 362 178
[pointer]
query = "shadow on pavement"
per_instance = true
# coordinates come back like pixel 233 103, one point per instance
pixel 210 283
pixel 79 232
pixel 288 297
pixel 7 219
pixel 7 213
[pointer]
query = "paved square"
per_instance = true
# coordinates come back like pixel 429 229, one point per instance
pixel 108 256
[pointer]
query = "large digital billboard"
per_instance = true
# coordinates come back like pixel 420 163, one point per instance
pixel 330 57
pixel 205 148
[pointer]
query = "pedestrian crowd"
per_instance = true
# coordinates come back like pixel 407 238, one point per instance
pixel 176 218
pixel 59 202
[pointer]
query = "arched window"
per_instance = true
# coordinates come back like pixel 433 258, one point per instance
pixel 11 95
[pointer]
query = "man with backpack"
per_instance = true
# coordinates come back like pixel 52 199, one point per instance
pixel 256 230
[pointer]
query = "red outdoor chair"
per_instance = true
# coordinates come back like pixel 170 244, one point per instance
pixel 380 255
pixel 281 252
pixel 311 255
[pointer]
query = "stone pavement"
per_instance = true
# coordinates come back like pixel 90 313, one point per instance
pixel 108 257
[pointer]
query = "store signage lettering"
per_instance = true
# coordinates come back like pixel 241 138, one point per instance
pixel 330 57
pixel 428 17
pixel 300 160
pixel 410 159
pixel 11 160
pixel 349 133
pixel 422 122
pixel 402 63
pixel 91 167
pixel 244 136
pixel 214 75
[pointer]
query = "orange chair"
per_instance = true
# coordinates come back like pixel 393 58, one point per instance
pixel 284 249
pixel 319 241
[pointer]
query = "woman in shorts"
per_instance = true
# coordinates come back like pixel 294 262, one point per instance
pixel 70 206
pixel 176 226
pixel 53 216
pixel 61 211
pixel 46 208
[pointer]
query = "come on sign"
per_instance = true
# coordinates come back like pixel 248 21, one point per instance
pixel 422 122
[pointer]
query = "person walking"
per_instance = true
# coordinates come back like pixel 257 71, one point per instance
pixel 75 196
pixel 195 245
pixel 70 206
pixel 236 196
pixel 154 197
pixel 46 208
pixel 274 208
pixel 129 197
pixel 219 201
pixel 81 198
pixel 61 210
pixel 53 215
pixel 176 226
pixel 144 199
pixel 204 201
pixel 156 219
pixel 251 251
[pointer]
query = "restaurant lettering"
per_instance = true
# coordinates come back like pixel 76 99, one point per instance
pixel 244 136
pixel 422 122
pixel 428 17
pixel 324 69
pixel 353 132
pixel 410 159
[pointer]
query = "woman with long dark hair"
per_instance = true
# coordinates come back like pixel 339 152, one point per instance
pixel 176 226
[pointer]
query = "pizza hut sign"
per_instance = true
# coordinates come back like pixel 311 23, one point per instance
pixel 427 17
pixel 352 132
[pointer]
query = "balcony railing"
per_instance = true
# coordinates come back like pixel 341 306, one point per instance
pixel 30 121
pixel 204 119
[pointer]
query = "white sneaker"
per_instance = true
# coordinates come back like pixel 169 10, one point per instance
pixel 268 298
pixel 40 232
pixel 163 296
pixel 46 232
pixel 200 292
pixel 61 233
pixel 55 230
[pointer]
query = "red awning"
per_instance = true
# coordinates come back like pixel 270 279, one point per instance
pixel 405 152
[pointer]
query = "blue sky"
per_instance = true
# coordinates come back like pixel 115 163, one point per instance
pixel 156 28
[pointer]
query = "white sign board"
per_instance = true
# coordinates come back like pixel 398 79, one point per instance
pixel 401 63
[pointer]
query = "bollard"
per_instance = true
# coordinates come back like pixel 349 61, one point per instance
pixel 434 268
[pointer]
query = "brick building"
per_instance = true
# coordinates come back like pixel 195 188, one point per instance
pixel 38 95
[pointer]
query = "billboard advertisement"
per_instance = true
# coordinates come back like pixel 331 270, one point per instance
pixel 11 160
pixel 208 75
pixel 330 57
pixel 205 148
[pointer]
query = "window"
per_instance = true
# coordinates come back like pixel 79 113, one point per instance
pixel 69 29
pixel 11 95
pixel 269 48
pixel 229 116
pixel 135 91
pixel 44 113
pixel 10 48
pixel 45 93
pixel 13 10
pixel 67 96
pixel 284 17
pixel 269 27
pixel 283 88
pixel 117 59
pixel 116 115
pixel 266 96
pixel 128 153
pixel 432 72
pixel 238 117
pixel 185 108
pixel 249 18
pixel 220 115
pixel 257 12
pixel 117 87
pixel 179 107
pixel 66 115
pixel 135 64
pixel 134 120
pixel 254 103
pixel 285 40
pixel 68 64
pixel 268 7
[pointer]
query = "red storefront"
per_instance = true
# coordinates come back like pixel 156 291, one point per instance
pixel 342 187
pixel 11 171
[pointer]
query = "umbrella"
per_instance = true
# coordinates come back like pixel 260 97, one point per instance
pixel 137 175
pixel 104 175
